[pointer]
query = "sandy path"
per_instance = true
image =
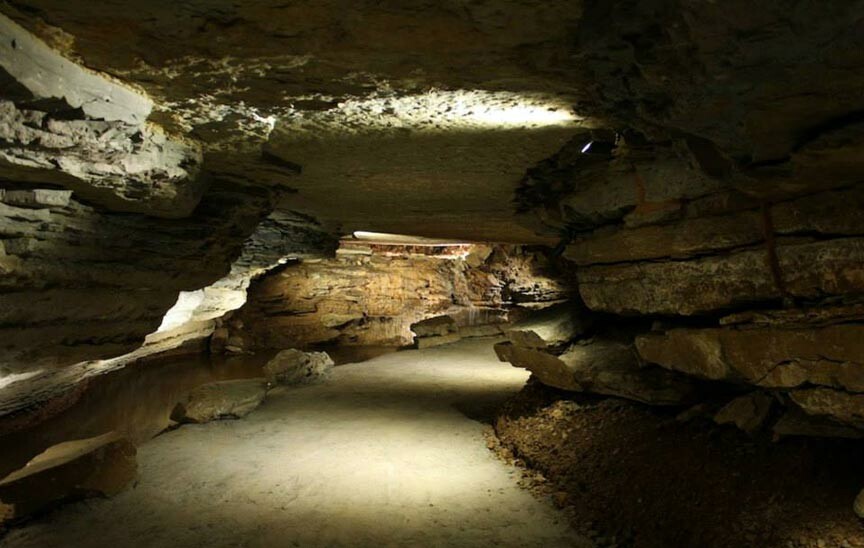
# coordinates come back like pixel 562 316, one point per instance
pixel 379 455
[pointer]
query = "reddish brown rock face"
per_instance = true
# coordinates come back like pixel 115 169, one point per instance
pixel 373 299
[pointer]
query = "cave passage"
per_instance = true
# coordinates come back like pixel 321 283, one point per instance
pixel 382 453
pixel 416 273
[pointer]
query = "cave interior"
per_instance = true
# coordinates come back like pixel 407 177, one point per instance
pixel 411 273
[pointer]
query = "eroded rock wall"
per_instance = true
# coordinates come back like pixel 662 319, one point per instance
pixel 372 299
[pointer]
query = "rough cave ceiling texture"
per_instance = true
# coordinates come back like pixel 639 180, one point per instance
pixel 732 185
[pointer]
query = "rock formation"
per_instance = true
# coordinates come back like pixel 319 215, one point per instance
pixel 560 351
pixel 296 367
pixel 221 400
pixel 435 331
pixel 100 466
pixel 373 298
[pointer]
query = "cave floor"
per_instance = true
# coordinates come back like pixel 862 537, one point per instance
pixel 389 452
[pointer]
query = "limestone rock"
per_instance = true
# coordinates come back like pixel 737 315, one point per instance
pixel 297 367
pixel 683 239
pixel 438 326
pixel 603 367
pixel 550 327
pixel 858 505
pixel 678 287
pixel 794 422
pixel 772 356
pixel 100 466
pixel 809 270
pixel 748 412
pixel 373 299
pixel 842 406
pixel 221 400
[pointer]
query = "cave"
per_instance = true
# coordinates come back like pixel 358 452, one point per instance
pixel 583 273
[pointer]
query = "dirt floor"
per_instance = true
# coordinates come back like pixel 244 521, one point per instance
pixel 632 476
pixel 384 453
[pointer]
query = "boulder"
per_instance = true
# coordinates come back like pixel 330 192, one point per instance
pixel 773 356
pixel 748 412
pixel 602 367
pixel 858 505
pixel 552 327
pixel 100 466
pixel 297 367
pixel 221 400
pixel 841 406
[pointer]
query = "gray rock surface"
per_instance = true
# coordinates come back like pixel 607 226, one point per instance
pixel 549 328
pixel 221 400
pixel 603 367
pixel 293 366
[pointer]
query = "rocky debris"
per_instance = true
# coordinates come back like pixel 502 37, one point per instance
pixel 290 367
pixel 221 400
pixel 95 467
pixel 549 328
pixel 632 471
pixel 748 412
pixel 603 367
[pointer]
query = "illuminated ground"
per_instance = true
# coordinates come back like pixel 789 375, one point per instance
pixel 383 454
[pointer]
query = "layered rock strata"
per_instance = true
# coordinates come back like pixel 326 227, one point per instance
pixel 561 352
pixel 374 298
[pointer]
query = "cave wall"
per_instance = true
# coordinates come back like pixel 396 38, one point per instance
pixel 372 297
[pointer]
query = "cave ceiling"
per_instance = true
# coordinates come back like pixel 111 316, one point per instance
pixel 238 78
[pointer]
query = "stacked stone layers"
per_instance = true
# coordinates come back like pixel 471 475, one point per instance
pixel 374 299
